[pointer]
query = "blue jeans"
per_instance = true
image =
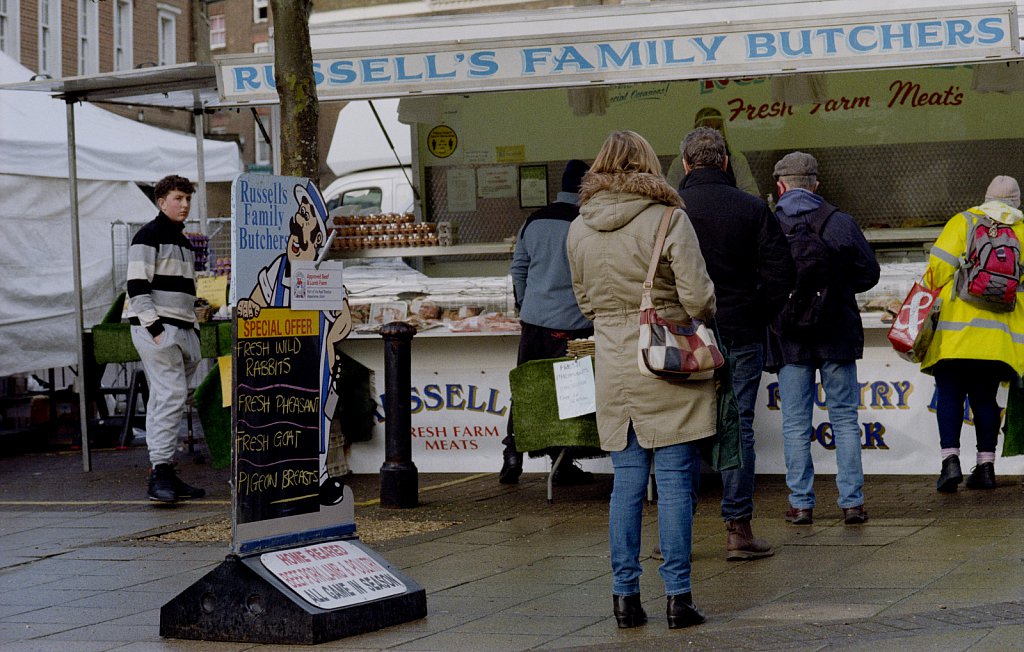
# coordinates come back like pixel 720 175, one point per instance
pixel 675 467
pixel 842 396
pixel 738 484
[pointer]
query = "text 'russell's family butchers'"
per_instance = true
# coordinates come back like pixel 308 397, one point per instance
pixel 823 42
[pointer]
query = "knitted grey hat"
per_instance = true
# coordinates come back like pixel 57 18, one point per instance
pixel 1004 189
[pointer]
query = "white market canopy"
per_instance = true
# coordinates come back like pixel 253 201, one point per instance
pixel 108 146
pixel 578 46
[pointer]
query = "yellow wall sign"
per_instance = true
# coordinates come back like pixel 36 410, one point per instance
pixel 214 289
pixel 442 141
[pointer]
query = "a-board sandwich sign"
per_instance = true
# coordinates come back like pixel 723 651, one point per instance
pixel 284 360
pixel 297 573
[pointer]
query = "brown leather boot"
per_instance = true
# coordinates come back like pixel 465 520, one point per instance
pixel 740 542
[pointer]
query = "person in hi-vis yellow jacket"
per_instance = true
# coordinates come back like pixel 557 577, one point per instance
pixel 974 349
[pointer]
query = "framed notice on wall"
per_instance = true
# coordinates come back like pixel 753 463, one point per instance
pixel 533 186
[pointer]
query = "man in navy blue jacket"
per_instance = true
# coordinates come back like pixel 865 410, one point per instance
pixel 547 307
pixel 749 261
pixel 831 347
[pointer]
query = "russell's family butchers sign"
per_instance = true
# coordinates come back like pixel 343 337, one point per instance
pixel 660 53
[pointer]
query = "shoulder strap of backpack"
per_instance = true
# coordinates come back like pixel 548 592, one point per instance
pixel 819 217
pixel 816 219
pixel 971 219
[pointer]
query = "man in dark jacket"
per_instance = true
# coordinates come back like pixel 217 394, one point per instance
pixel 548 313
pixel 748 259
pixel 831 347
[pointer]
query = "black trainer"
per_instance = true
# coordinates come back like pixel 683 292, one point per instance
pixel 161 484
pixel 186 491
pixel 982 476
pixel 951 476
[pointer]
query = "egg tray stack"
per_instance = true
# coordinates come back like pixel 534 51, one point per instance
pixel 201 247
pixel 382 231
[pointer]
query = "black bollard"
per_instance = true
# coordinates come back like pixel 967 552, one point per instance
pixel 399 480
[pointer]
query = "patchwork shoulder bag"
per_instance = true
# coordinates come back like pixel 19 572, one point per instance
pixel 670 350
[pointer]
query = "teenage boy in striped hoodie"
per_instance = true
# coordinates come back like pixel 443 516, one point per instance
pixel 161 299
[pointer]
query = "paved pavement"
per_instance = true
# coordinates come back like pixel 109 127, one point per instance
pixel 83 565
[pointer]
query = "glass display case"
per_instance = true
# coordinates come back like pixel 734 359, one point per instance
pixel 383 289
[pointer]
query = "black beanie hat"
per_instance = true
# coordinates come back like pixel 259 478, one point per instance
pixel 573 175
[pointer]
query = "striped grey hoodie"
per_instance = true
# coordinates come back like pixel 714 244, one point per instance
pixel 161 277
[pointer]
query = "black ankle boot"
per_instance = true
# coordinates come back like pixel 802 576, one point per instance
pixel 681 612
pixel 951 475
pixel 628 610
pixel 511 468
pixel 982 476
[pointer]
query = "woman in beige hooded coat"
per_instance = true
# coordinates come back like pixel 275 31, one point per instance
pixel 640 419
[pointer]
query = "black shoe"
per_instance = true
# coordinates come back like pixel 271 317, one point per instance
pixel 161 484
pixel 187 491
pixel 681 612
pixel 511 468
pixel 982 476
pixel 181 490
pixel 951 475
pixel 628 610
pixel 568 473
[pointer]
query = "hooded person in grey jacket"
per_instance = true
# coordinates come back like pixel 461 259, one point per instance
pixel 547 308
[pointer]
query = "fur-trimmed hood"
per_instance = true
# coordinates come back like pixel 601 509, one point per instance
pixel 610 201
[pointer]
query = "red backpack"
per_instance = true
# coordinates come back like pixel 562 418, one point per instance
pixel 990 267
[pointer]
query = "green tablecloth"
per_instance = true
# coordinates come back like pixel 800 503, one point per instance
pixel 113 342
pixel 535 411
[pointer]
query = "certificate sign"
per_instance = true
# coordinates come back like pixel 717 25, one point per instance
pixel 461 186
pixel 332 575
pixel 574 387
pixel 496 181
pixel 317 288
pixel 533 186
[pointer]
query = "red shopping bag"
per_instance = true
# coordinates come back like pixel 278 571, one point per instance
pixel 912 331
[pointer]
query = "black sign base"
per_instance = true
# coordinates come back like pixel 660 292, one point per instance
pixel 241 601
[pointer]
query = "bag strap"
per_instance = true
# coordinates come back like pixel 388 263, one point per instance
pixel 815 219
pixel 659 245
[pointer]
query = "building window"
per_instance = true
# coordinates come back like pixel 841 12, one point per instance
pixel 88 37
pixel 261 150
pixel 218 32
pixel 167 34
pixel 123 35
pixel 261 47
pixel 9 20
pixel 260 11
pixel 49 38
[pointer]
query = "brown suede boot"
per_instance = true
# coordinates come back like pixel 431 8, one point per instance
pixel 740 542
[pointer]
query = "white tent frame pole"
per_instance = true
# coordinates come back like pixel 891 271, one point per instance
pixel 200 203
pixel 76 258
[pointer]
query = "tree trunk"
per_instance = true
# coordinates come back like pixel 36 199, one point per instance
pixel 293 74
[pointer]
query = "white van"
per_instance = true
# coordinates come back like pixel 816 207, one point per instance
pixel 373 168
pixel 384 190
